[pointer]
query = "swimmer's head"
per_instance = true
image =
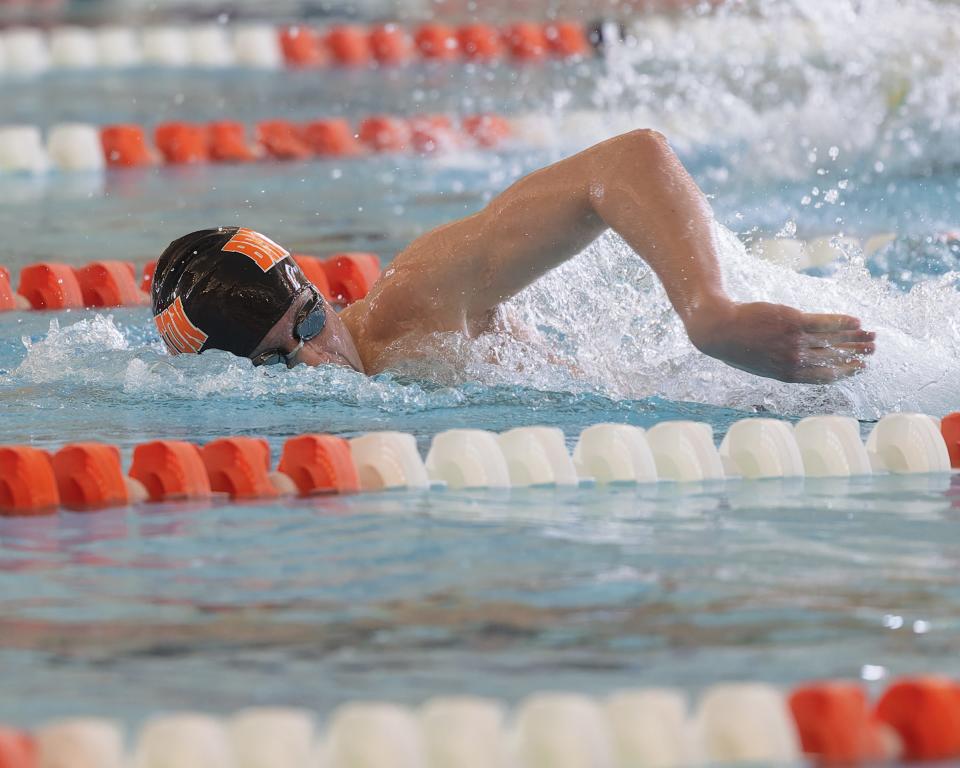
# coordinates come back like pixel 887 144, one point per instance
pixel 234 289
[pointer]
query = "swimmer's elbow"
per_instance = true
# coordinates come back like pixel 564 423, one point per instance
pixel 646 146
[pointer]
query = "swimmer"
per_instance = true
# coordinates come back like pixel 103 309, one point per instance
pixel 234 289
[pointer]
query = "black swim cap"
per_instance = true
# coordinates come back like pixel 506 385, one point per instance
pixel 222 288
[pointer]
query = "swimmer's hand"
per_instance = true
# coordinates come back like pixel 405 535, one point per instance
pixel 781 342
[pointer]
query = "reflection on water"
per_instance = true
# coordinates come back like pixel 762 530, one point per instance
pixel 403 596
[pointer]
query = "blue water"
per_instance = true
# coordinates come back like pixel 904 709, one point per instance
pixel 402 596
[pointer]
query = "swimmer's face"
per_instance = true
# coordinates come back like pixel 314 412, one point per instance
pixel 333 345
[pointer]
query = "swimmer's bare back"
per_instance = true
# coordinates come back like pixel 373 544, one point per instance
pixel 454 277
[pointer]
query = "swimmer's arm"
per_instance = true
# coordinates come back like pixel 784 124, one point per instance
pixel 634 184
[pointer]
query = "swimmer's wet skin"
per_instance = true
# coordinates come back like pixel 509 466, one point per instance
pixel 236 290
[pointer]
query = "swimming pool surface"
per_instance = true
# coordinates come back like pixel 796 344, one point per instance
pixel 405 595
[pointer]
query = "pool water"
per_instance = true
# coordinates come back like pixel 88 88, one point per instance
pixel 405 595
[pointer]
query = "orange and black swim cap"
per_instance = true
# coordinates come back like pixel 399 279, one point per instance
pixel 222 288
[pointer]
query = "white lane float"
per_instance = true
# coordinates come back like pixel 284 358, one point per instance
pixel 786 252
pixel 165 46
pixel 73 48
pixel 467 458
pixel 651 728
pixel 80 743
pixel 761 448
pixel 373 735
pixel 209 46
pixel 273 738
pixel 878 242
pixel 183 740
pixel 907 443
pixel 26 51
pixel 387 460
pixel 684 451
pixel 534 130
pixel 826 250
pixel 117 47
pixel 537 456
pixel 614 453
pixel 75 147
pixel 258 46
pixel 464 732
pixel 562 730
pixel 831 447
pixel 22 150
pixel 747 723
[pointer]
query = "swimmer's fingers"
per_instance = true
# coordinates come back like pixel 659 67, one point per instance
pixel 836 338
pixel 829 323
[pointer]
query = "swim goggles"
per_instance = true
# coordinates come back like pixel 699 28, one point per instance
pixel 310 323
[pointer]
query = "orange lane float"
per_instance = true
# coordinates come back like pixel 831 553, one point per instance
pixel 89 476
pixel 526 41
pixel 567 39
pixel 50 286
pixel 331 138
pixel 28 485
pixel 319 464
pixel 17 749
pixel 240 467
pixel 7 299
pixel 432 133
pixel 487 130
pixel 125 146
pixel 283 140
pixel 437 41
pixel 391 44
pixel 182 143
pixel 228 142
pixel 383 133
pixel 146 279
pixel 925 713
pixel 303 47
pixel 171 470
pixel 835 724
pixel 109 284
pixel 314 270
pixel 349 46
pixel 950 429
pixel 351 275
pixel 480 42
